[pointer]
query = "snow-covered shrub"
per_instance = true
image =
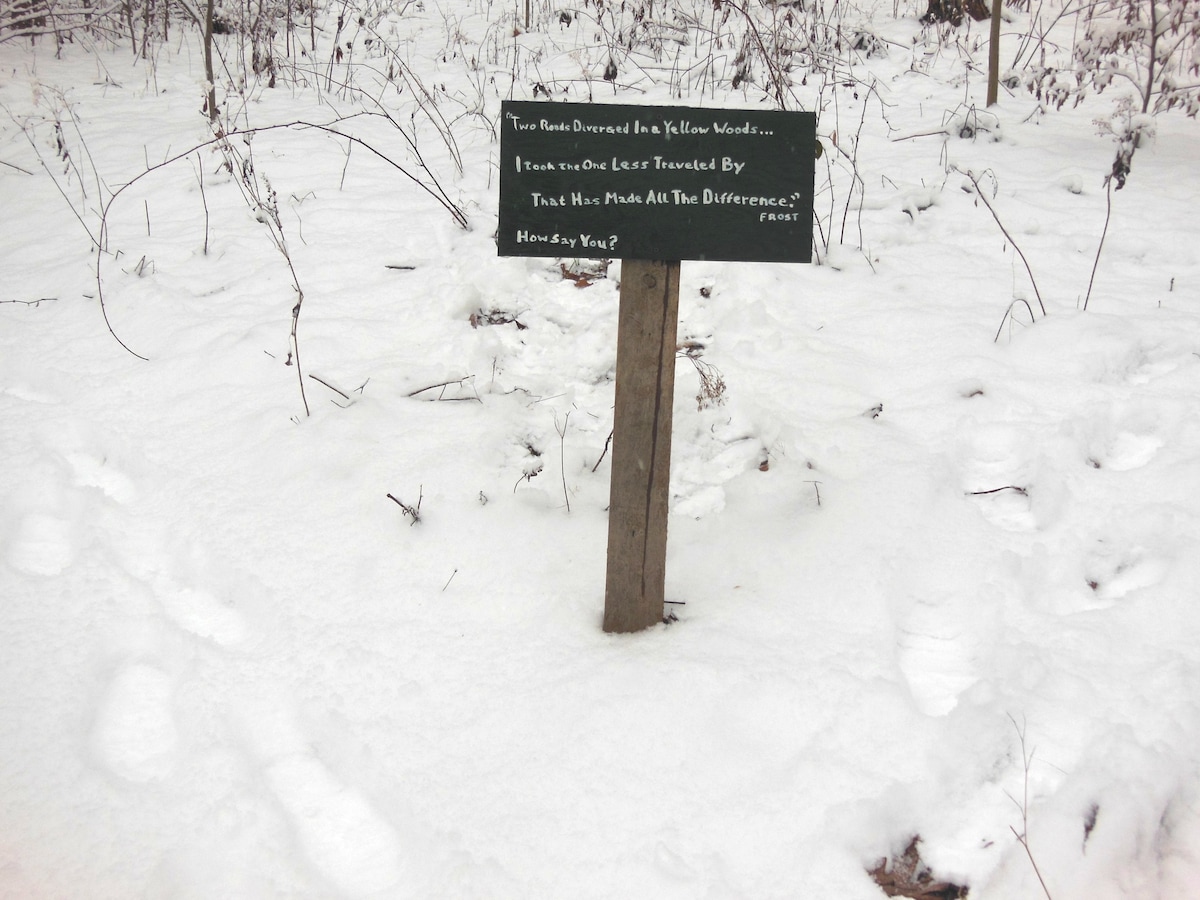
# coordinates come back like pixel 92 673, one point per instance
pixel 1152 45
pixel 1149 50
pixel 60 22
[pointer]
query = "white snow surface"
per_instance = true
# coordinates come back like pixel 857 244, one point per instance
pixel 233 668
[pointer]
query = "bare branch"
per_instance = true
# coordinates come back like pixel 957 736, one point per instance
pixel 980 194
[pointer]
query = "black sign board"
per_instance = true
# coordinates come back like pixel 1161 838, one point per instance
pixel 656 182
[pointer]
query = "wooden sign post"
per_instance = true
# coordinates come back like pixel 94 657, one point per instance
pixel 641 464
pixel 651 186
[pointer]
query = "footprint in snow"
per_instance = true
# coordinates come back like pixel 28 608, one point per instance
pixel 938 670
pixel 704 462
pixel 1112 578
pixel 29 394
pixel 342 835
pixel 1162 362
pixel 172 573
pixel 134 735
pixel 98 473
pixel 938 657
pixel 946 624
pixel 44 544
pixel 46 539
pixel 1128 450
pixel 200 613
pixel 998 463
pixel 1122 436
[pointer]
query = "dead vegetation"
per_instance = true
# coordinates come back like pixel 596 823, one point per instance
pixel 907 875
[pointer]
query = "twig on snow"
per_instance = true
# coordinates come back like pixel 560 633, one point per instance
pixel 607 441
pixel 413 512
pixel 816 487
pixel 1103 235
pixel 1008 315
pixel 982 196
pixel 338 391
pixel 444 384
pixel 1023 805
pixel 562 455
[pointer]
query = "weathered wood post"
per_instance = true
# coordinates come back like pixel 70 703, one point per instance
pixel 993 77
pixel 641 451
pixel 651 186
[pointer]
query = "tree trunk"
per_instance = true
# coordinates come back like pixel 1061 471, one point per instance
pixel 132 31
pixel 210 102
pixel 951 11
pixel 1152 42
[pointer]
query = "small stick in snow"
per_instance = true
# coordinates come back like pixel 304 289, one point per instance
pixel 328 385
pixel 1008 316
pixel 562 455
pixel 817 487
pixel 979 192
pixel 1108 189
pixel 603 452
pixel 203 197
pixel 1023 836
pixel 443 384
pixel 413 512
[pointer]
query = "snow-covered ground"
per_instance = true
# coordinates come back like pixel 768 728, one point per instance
pixel 232 667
